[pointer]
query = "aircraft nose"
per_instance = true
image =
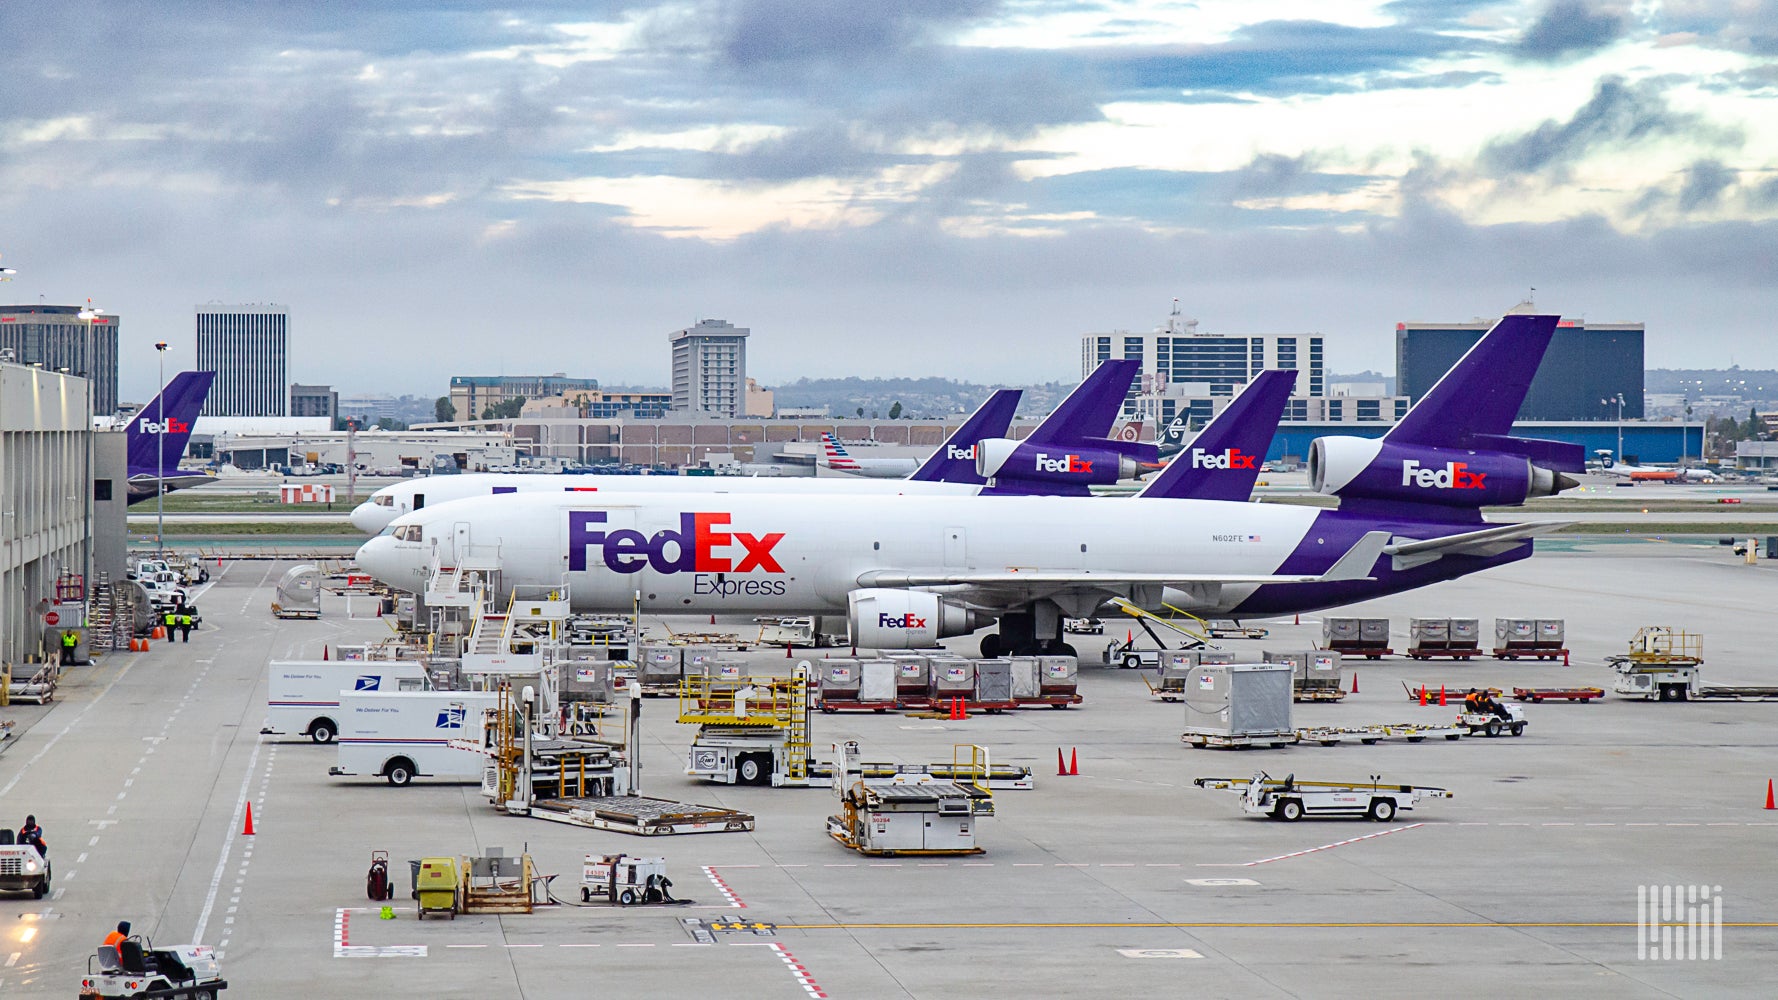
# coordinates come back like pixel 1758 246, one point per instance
pixel 376 557
pixel 370 518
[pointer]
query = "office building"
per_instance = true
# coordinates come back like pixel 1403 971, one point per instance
pixel 710 368
pixel 472 395
pixel 1185 372
pixel 45 436
pixel 1586 365
pixel 71 340
pixel 248 347
pixel 314 401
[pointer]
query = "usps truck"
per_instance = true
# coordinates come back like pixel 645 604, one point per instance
pixel 303 696
pixel 403 735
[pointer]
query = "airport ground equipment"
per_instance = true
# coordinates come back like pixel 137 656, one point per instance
pixel 299 593
pixel 1127 656
pixel 1237 704
pixel 1315 674
pixel 1530 639
pixel 1409 732
pixel 811 631
pixel 1444 638
pixel 1427 694
pixel 1366 637
pixel 1083 626
pixel 1558 694
pixel 38 688
pixel 1290 800
pixel 1176 666
pixel 1048 679
pixel 303 696
pixel 22 868
pixel 1489 724
pixel 1234 630
pixel 136 969
pixel 377 886
pixel 625 880
pixel 496 882
pixel 659 668
pixel 1662 662
pixel 435 886
pixel 754 731
pixel 914 815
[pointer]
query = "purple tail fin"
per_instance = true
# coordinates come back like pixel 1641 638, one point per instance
pixel 1093 406
pixel 1222 462
pixel 954 461
pixel 1483 391
pixel 167 419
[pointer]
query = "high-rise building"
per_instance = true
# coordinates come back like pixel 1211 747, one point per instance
pixel 710 368
pixel 471 395
pixel 1185 372
pixel 71 340
pixel 1585 369
pixel 248 347
pixel 314 401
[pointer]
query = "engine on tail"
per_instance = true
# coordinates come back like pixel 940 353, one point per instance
pixel 1374 469
pixel 882 618
pixel 1003 459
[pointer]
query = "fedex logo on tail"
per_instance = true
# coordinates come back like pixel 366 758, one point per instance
pixel 697 546
pixel 1066 463
pixel 171 425
pixel 1452 476
pixel 1230 458
pixel 962 454
pixel 900 621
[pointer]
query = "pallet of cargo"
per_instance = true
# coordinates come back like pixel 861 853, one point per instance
pixel 1316 694
pixel 1558 694
pixel 1242 741
pixel 1328 736
pixel 1528 653
pixel 641 815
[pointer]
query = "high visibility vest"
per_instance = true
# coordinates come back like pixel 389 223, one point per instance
pixel 170 617
pixel 185 619
pixel 70 640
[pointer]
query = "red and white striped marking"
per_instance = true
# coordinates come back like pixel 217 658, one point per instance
pixel 722 887
pixel 1312 850
pixel 803 979
pixel 342 919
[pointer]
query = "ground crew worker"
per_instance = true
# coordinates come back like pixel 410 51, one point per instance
pixel 185 626
pixel 32 835
pixel 118 936
pixel 1472 702
pixel 1495 708
pixel 70 639
pixel 171 622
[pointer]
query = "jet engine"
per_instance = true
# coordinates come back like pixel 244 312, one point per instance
pixel 1374 469
pixel 1004 460
pixel 883 618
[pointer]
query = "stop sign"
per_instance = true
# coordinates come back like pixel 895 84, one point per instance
pixel 51 618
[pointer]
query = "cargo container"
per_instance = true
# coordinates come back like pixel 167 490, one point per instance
pixel 993 684
pixel 1530 638
pixel 1366 637
pixel 953 677
pixel 1446 638
pixel 1238 704
pixel 1315 673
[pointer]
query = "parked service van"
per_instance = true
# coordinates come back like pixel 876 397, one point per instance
pixel 303 696
pixel 403 735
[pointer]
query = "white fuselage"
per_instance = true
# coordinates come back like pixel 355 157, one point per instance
pixel 803 554
pixel 391 502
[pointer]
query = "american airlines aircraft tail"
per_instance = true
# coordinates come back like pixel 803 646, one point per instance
pixel 834 456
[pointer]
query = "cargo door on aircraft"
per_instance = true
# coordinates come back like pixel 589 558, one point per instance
pixel 956 549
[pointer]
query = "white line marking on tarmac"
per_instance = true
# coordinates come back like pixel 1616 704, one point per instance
pixel 82 859
pixel 13 959
pixel 228 844
pixel 1312 850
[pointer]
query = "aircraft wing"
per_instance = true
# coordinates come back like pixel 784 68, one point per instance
pixel 1490 541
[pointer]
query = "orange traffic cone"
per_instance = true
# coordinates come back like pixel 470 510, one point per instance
pixel 787 651
pixel 324 652
pixel 1354 682
pixel 1441 696
pixel 1074 761
pixel 1770 804
pixel 1422 696
pixel 247 828
pixel 1061 769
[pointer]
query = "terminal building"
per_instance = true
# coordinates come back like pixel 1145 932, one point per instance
pixel 1587 367
pixel 314 401
pixel 248 347
pixel 71 340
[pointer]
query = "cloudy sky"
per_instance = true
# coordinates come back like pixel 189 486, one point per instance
pixel 909 187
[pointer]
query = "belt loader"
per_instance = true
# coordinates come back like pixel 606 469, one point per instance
pixel 1290 800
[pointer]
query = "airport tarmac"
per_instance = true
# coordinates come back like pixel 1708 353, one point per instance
pixel 1124 880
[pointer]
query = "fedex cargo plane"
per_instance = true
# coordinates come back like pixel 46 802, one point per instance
pixel 910 570
pixel 158 434
pixel 951 470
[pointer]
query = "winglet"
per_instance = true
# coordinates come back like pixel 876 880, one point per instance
pixel 1232 445
pixel 991 419
pixel 1359 560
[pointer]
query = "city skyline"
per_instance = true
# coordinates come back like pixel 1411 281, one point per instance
pixel 961 188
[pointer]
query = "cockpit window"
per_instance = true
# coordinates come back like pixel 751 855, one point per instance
pixel 409 533
pixel 387 530
pixel 383 500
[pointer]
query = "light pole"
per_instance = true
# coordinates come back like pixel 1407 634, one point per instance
pixel 1619 400
pixel 160 454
